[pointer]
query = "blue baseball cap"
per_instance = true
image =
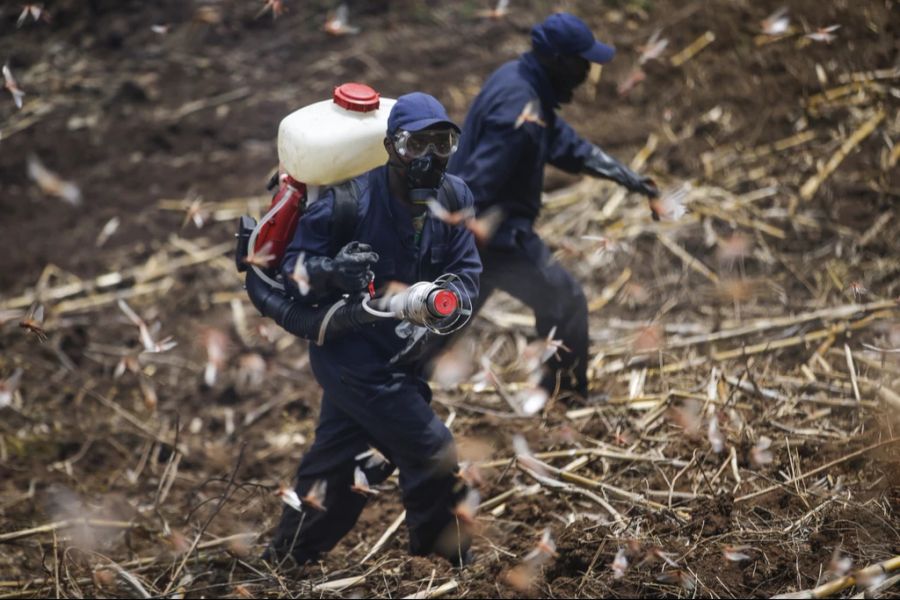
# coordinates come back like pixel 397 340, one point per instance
pixel 564 33
pixel 417 111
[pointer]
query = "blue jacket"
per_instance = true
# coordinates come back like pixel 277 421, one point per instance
pixel 502 152
pixel 386 224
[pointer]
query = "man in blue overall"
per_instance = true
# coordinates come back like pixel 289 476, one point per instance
pixel 512 130
pixel 374 395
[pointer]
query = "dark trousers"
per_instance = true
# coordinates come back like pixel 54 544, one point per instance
pixel 526 270
pixel 389 412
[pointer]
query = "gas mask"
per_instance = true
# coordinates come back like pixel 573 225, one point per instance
pixel 423 178
pixel 429 151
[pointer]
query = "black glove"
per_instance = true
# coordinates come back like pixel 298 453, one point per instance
pixel 353 266
pixel 601 164
pixel 349 271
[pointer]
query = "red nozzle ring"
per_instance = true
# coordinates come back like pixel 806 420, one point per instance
pixel 445 303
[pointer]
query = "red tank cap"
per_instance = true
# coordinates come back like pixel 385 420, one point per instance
pixel 445 303
pixel 357 97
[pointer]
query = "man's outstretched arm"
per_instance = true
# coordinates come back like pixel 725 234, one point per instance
pixel 573 154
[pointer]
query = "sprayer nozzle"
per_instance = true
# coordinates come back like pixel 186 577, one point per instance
pixel 444 303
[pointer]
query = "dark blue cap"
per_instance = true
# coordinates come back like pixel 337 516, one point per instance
pixel 564 33
pixel 417 111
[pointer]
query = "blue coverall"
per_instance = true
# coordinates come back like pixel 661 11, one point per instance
pixel 512 130
pixel 366 400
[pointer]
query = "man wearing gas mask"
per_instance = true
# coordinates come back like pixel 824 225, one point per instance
pixel 512 130
pixel 374 394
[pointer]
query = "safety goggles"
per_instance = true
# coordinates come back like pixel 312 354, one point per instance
pixel 440 142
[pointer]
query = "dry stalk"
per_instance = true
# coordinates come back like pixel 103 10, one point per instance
pixel 144 273
pixel 693 48
pixel 812 184
pixel 833 587
pixel 729 216
pixel 384 537
pixel 824 467
pixel 890 73
pixel 601 453
pixel 157 288
pixel 571 489
pixel 764 347
pixel 852 368
pixel 64 524
pixel 609 292
pixel 688 260
pixel 441 590
pixel 193 106
pixel 339 585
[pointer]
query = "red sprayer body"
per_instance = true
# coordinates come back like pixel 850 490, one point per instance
pixel 279 230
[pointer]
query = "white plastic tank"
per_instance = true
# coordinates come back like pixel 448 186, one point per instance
pixel 333 140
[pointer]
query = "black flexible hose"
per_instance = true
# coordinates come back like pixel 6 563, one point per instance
pixel 304 320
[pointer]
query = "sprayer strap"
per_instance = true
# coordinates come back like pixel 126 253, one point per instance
pixel 346 210
pixel 344 217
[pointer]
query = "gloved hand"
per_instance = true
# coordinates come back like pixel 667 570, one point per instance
pixel 353 266
pixel 349 271
pixel 601 164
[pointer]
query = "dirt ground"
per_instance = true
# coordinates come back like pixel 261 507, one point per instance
pixel 143 122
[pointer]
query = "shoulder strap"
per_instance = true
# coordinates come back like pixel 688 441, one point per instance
pixel 346 211
pixel 344 217
pixel 449 193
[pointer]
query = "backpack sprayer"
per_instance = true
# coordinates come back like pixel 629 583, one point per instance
pixel 322 144
pixel 318 145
